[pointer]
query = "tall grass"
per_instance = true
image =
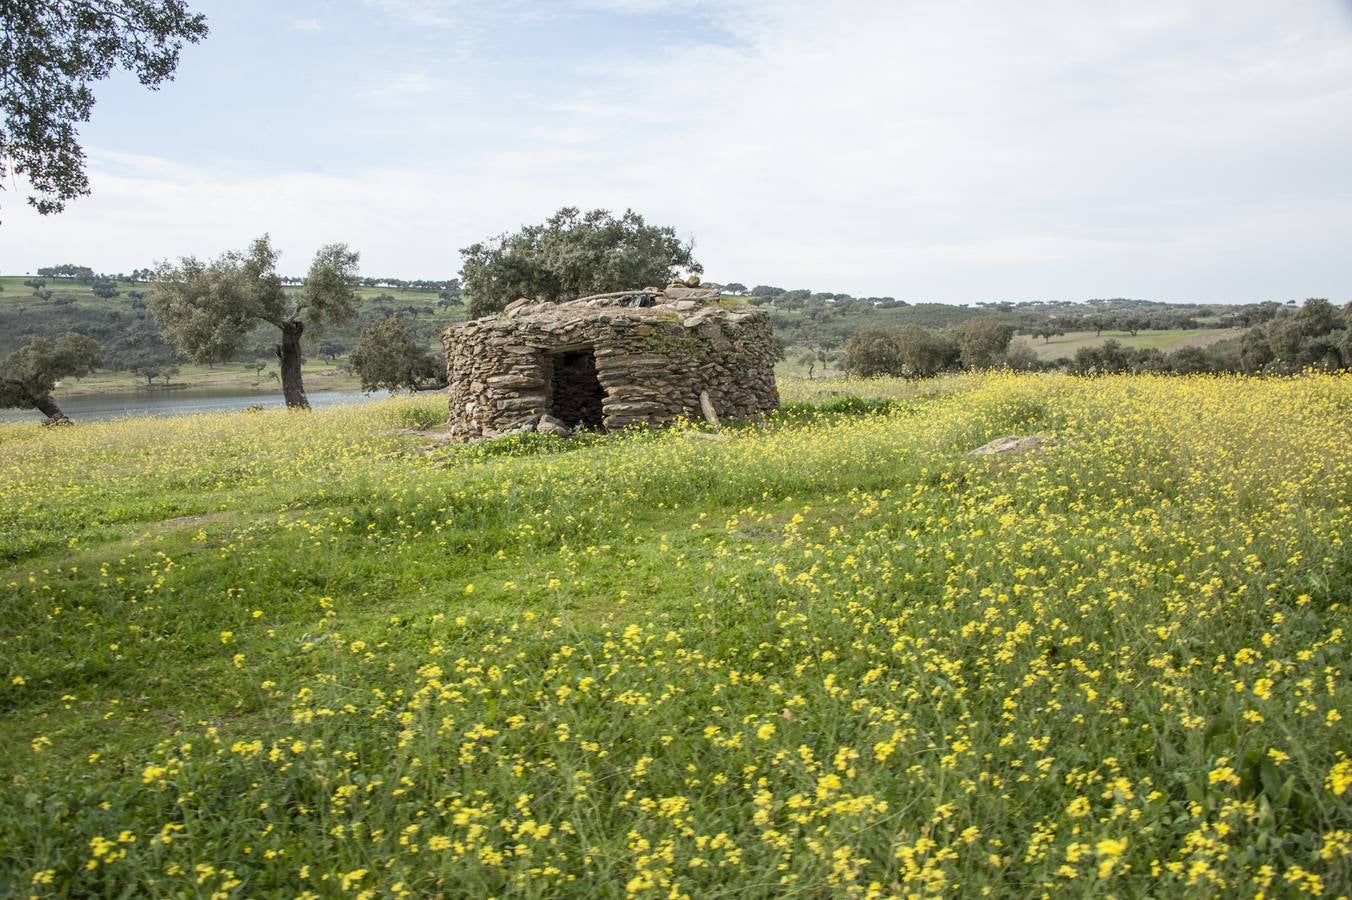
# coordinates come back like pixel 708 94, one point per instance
pixel 270 654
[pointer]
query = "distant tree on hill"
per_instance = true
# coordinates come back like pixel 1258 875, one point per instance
pixel 570 255
pixel 389 358
pixel 1190 361
pixel 1132 325
pixel 908 351
pixel 1114 357
pixel 36 284
pixel 735 287
pixel 151 358
pixel 209 309
pixel 870 352
pixel 1259 313
pixel 50 55
pixel 1255 352
pixel 67 270
pixel 1312 337
pixel 28 375
pixel 924 353
pixel 1318 317
pixel 1021 358
pixel 450 294
pixel 330 351
pixel 982 342
pixel 823 351
pixel 104 287
pixel 149 369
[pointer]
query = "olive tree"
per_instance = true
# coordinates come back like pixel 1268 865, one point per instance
pixel 29 374
pixel 909 351
pixel 982 342
pixel 388 357
pixel 871 352
pixel 209 308
pixel 924 353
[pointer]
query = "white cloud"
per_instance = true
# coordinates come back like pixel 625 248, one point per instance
pixel 457 14
pixel 308 24
pixel 401 84
pixel 971 150
pixel 423 13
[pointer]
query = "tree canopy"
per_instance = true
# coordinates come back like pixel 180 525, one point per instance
pixel 982 342
pixel 389 358
pixel 907 351
pixel 67 270
pixel 29 374
pixel 870 352
pixel 50 55
pixel 571 255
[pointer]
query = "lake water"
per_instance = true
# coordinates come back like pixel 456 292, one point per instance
pixel 94 407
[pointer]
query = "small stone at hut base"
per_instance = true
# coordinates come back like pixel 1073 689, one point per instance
pixel 551 425
pixel 1013 443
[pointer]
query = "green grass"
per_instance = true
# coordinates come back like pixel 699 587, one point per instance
pixel 1167 341
pixel 1062 346
pixel 320 375
pixel 269 653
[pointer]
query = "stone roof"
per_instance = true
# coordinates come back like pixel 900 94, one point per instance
pixel 690 305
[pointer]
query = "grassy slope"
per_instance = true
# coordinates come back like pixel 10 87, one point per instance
pixel 22 315
pixel 275 652
pixel 1167 341
pixel 1063 346
pixel 319 376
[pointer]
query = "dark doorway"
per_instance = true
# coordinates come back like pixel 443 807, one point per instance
pixel 577 393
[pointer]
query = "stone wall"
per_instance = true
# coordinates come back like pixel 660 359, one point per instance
pixel 531 366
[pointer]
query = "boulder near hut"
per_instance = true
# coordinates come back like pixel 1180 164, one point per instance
pixel 605 362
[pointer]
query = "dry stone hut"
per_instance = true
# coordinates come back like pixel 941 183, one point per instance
pixel 604 362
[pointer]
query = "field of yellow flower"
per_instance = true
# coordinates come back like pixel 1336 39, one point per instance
pixel 317 655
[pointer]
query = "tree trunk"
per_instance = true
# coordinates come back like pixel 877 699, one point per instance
pixel 47 406
pixel 293 388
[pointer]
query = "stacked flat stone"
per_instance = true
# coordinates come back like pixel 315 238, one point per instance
pixel 653 361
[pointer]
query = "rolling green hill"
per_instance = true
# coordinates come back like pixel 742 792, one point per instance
pixel 123 326
pixel 1064 346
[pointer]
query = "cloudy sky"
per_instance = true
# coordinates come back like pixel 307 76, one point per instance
pixel 954 150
